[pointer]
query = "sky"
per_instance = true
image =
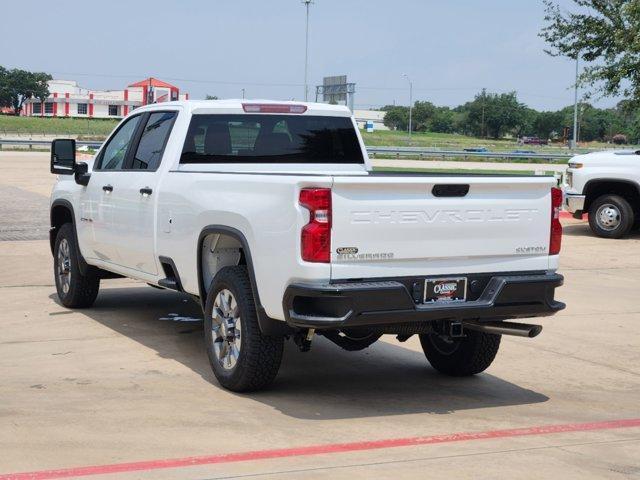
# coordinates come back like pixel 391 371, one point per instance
pixel 449 49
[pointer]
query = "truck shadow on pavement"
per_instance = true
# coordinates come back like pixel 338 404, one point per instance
pixel 582 230
pixel 325 383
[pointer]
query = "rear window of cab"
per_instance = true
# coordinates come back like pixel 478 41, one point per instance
pixel 260 138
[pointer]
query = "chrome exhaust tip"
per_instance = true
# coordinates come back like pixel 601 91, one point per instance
pixel 504 328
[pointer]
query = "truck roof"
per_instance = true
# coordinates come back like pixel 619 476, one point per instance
pixel 604 156
pixel 235 105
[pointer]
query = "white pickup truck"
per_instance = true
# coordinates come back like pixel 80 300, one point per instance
pixel 606 185
pixel 269 214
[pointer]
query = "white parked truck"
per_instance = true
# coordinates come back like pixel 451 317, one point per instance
pixel 606 185
pixel 269 214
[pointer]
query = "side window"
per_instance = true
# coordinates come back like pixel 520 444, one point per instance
pixel 114 153
pixel 153 140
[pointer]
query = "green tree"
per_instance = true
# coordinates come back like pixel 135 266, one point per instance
pixel 606 35
pixel 526 124
pixel 443 120
pixel 425 117
pixel 494 114
pixel 462 124
pixel 595 124
pixel 17 86
pixel 505 114
pixel 396 118
pixel 422 115
pixel 628 120
pixel 5 98
pixel 548 124
pixel 39 85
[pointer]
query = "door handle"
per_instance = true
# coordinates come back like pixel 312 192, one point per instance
pixel 146 191
pixel 107 188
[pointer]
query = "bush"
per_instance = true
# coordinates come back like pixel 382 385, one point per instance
pixel 619 139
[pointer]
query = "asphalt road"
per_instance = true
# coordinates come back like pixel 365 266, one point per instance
pixel 128 381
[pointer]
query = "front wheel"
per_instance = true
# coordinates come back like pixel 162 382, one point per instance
pixel 611 216
pixel 460 357
pixel 75 290
pixel 241 357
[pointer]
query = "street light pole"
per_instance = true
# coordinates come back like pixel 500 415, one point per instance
pixel 484 92
pixel 410 101
pixel 306 52
pixel 575 106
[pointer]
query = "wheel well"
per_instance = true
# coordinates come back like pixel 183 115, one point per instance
pixel 626 190
pixel 218 251
pixel 220 246
pixel 60 214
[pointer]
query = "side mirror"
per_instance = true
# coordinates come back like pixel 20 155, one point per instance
pixel 63 156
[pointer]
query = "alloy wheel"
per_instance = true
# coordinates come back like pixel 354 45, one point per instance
pixel 226 329
pixel 64 266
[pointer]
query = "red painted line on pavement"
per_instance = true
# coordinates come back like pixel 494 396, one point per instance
pixel 317 450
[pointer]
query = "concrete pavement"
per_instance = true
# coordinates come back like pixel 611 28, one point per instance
pixel 125 382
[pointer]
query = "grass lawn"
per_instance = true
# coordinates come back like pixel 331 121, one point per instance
pixel 452 141
pixel 458 171
pixel 56 126
pixel 470 158
pixel 430 139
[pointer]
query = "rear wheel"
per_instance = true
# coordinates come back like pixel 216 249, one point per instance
pixel 241 357
pixel 75 290
pixel 462 356
pixel 611 216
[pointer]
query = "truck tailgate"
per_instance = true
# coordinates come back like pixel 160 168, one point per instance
pixel 390 226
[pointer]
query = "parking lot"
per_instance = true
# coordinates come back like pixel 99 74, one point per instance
pixel 125 387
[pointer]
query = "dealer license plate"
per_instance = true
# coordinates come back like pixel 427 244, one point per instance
pixel 445 290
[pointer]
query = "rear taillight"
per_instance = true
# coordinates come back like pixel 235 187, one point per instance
pixel 316 235
pixel 555 239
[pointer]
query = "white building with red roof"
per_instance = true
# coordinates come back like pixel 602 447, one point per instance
pixel 68 99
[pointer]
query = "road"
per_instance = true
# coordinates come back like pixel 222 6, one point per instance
pixel 128 381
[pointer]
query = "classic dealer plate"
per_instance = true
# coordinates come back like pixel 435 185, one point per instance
pixel 445 290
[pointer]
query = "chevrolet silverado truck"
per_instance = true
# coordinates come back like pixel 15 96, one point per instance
pixel 606 185
pixel 270 216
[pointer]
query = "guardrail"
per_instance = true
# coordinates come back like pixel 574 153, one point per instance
pixel 431 152
pixel 397 151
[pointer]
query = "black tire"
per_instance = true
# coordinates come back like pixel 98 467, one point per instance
pixel 75 290
pixel 258 356
pixel 461 357
pixel 624 220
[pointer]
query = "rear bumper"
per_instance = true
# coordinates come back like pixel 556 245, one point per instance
pixel 399 301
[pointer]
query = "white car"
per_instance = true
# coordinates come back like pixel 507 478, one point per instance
pixel 269 215
pixel 606 185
